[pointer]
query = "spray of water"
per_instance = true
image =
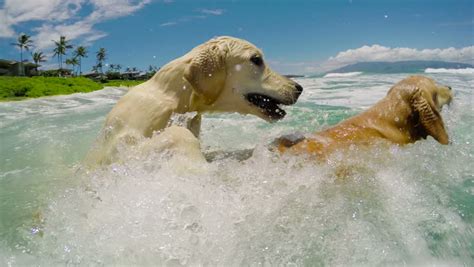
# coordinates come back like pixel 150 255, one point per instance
pixel 397 206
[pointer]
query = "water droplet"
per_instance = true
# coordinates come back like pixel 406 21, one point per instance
pixel 35 230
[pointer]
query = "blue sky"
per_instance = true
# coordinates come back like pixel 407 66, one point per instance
pixel 296 36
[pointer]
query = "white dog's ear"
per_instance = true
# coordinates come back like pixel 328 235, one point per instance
pixel 206 72
pixel 429 116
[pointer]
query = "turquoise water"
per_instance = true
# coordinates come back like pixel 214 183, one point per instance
pixel 402 206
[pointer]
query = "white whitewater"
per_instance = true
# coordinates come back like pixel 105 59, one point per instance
pixel 404 206
pixel 342 75
pixel 450 71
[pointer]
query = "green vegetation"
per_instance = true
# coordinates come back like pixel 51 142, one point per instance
pixel 44 86
pixel 63 81
pixel 24 42
pixel 18 88
pixel 38 57
pixel 100 56
pixel 61 49
pixel 79 53
pixel 126 83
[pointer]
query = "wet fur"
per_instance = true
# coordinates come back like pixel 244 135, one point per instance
pixel 409 112
pixel 213 77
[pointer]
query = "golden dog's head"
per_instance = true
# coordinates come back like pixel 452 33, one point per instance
pixel 426 99
pixel 230 74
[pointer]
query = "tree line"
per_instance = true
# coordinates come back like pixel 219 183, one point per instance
pixel 62 46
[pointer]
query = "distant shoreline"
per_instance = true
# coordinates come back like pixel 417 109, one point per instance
pixel 294 76
pixel 412 66
pixel 26 88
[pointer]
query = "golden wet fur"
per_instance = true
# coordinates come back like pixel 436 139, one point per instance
pixel 409 112
pixel 216 76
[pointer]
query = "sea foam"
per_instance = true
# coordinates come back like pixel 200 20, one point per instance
pixel 398 206
pixel 347 74
pixel 450 71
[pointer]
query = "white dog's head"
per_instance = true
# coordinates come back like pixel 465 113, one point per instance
pixel 230 74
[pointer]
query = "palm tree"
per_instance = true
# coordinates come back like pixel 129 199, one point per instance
pixel 95 69
pixel 112 67
pixel 73 62
pixel 79 53
pixel 68 62
pixel 101 56
pixel 23 42
pixel 151 68
pixel 151 71
pixel 38 57
pixel 61 49
pixel 118 67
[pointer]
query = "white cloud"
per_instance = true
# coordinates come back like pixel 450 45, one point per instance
pixel 27 10
pixel 109 9
pixel 5 29
pixel 171 23
pixel 80 30
pixel 205 13
pixel 378 53
pixel 60 17
pixel 214 12
pixel 383 53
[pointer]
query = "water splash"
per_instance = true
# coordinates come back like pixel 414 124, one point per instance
pixel 380 207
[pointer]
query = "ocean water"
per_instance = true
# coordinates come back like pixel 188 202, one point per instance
pixel 400 206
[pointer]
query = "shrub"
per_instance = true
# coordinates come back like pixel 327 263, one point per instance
pixel 44 86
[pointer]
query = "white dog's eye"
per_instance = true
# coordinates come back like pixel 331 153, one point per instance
pixel 257 60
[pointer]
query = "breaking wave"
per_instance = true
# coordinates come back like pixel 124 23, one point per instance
pixel 450 71
pixel 410 206
pixel 346 74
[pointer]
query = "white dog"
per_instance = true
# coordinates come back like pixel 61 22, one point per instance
pixel 224 74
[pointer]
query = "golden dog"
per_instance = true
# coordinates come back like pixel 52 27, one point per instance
pixel 224 74
pixel 409 112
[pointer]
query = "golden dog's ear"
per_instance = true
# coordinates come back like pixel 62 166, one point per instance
pixel 429 116
pixel 206 72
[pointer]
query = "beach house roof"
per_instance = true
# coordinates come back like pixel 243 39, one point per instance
pixel 14 68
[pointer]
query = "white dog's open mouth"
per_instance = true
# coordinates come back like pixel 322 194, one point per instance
pixel 268 105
